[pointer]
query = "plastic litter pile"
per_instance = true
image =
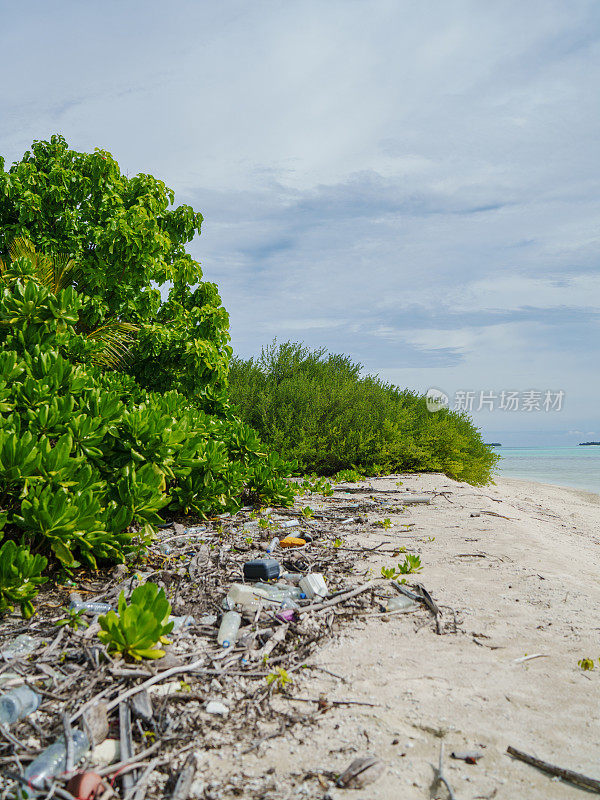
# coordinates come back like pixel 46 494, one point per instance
pixel 253 595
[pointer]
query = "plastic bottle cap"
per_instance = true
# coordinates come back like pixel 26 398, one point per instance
pixel 226 644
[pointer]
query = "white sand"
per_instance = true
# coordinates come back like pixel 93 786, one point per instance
pixel 524 585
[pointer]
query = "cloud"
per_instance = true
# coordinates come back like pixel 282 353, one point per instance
pixel 416 186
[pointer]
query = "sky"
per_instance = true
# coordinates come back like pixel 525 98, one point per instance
pixel 413 184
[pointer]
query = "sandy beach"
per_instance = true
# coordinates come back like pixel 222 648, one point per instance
pixel 522 577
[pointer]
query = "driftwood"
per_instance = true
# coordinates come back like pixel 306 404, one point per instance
pixel 440 777
pixel 566 774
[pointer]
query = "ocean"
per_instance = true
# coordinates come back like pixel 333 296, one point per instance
pixel 576 467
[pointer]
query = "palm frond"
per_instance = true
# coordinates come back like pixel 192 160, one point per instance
pixel 42 264
pixel 114 341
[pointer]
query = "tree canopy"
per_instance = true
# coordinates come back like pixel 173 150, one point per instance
pixel 127 239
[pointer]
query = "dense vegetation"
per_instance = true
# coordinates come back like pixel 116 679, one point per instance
pixel 317 409
pixel 89 456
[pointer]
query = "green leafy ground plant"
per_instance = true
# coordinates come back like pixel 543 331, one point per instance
pixel 411 563
pixel 20 576
pixel 138 627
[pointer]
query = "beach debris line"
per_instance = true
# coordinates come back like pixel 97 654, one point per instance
pixel 228 629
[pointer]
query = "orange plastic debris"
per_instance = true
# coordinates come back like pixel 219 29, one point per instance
pixel 291 541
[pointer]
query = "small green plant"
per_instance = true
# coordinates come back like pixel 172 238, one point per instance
pixel 348 476
pixel 248 540
pixel 308 512
pixel 313 485
pixel 430 539
pixel 586 664
pixel 389 573
pixel 399 483
pixel 20 575
pixel 411 563
pixel 74 620
pixel 279 678
pixel 338 542
pixel 266 524
pixel 383 523
pixel 140 626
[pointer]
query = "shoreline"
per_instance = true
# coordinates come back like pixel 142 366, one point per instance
pixel 521 578
pixel 583 494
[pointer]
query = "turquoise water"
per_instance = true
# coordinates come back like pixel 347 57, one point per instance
pixel 578 467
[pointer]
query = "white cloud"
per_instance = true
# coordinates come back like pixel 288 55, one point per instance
pixel 414 184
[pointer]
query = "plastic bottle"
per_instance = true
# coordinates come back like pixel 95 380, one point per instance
pixel 230 625
pixel 18 703
pixel 292 577
pixel 400 603
pixel 244 594
pixel 273 544
pixel 290 523
pixel 22 646
pixel 314 585
pixel 89 608
pixel 280 593
pixel 53 760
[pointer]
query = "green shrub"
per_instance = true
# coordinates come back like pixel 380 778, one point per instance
pixel 89 458
pixel 138 627
pixel 316 409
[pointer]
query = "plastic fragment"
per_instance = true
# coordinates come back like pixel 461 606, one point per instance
pixel 470 757
pixel 22 646
pixel 292 541
pixel 85 785
pixel 182 622
pixel 215 707
pixel 313 585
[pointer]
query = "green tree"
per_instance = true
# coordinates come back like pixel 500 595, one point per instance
pixel 127 239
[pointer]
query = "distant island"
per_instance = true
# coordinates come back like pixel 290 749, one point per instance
pixel 497 444
pixel 587 444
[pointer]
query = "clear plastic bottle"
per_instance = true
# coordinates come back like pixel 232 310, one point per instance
pixel 273 544
pixel 279 592
pixel 400 603
pixel 53 760
pixel 22 646
pixel 230 626
pixel 18 703
pixel 89 608
pixel 292 577
pixel 240 594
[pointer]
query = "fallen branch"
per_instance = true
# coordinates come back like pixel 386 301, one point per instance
pixel 440 777
pixel 566 774
pixel 339 599
pixel 156 679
